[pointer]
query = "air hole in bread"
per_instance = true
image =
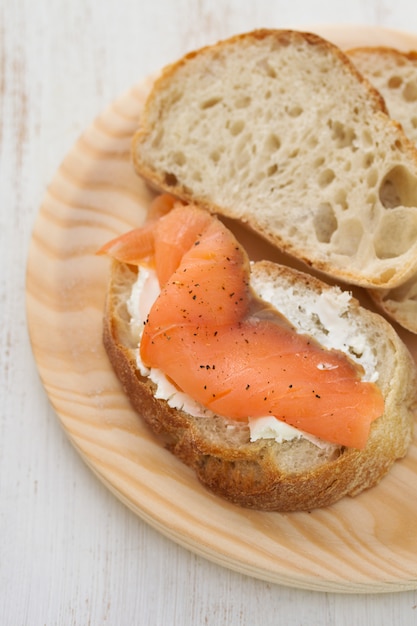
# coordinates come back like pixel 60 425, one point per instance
pixel 372 178
pixel 294 111
pixel 325 222
pixel 265 66
pixel 389 194
pixel 326 177
pixel 243 102
pixel 272 143
pixel 396 234
pixel 211 102
pixel 197 177
pixel 236 127
pixel 170 179
pixel 215 156
pixel 348 237
pixel 272 169
pixel 179 158
pixel 410 91
pixel 312 141
pixel 367 141
pixel 319 162
pixel 413 121
pixel 395 82
pixel 398 188
pixel 340 198
pixel 368 160
pixel 342 135
pixel 177 95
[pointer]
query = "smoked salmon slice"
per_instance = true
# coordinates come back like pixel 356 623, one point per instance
pixel 137 244
pixel 232 352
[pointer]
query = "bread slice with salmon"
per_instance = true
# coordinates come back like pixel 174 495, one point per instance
pixel 186 317
pixel 394 74
pixel 279 130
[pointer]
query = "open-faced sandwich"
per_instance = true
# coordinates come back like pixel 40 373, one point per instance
pixel 280 391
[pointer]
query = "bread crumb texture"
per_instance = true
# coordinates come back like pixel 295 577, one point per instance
pixel 394 74
pixel 278 129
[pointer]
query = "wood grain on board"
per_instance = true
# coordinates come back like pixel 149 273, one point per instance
pixel 364 544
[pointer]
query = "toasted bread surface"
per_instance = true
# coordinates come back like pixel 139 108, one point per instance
pixel 279 130
pixel 264 474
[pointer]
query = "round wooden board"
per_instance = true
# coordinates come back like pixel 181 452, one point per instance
pixel 366 544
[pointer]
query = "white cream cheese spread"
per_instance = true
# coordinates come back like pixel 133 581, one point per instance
pixel 320 315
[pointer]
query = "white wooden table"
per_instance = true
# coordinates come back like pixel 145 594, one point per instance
pixel 70 552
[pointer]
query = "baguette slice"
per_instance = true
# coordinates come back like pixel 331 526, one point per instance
pixel 266 475
pixel 280 131
pixel 394 74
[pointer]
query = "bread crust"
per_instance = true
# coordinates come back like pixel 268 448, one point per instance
pixel 411 55
pixel 253 474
